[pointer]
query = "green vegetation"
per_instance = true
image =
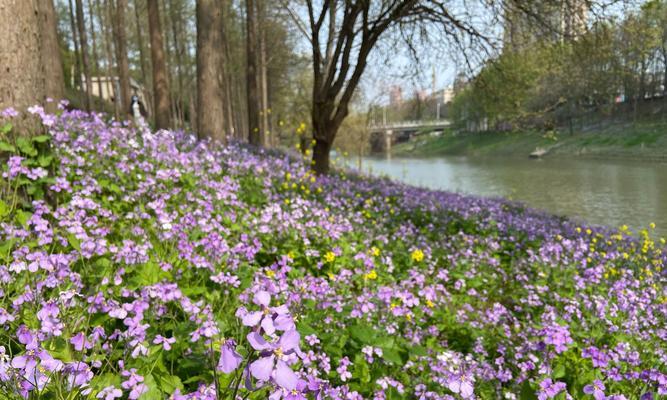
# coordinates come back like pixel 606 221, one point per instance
pixel 643 140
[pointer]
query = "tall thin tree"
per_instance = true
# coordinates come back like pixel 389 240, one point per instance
pixel 160 81
pixel 252 88
pixel 77 54
pixel 95 56
pixel 210 90
pixel 83 43
pixel 120 44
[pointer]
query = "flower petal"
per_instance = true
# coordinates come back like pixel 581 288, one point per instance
pixel 285 377
pixel 257 341
pixel 262 298
pixel 252 318
pixel 289 340
pixel 229 359
pixel 262 368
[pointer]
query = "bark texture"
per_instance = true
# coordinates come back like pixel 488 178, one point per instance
pixel 255 133
pixel 210 88
pixel 161 100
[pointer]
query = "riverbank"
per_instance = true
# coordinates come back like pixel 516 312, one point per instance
pixel 638 141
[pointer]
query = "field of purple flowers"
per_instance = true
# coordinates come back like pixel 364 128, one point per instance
pixel 139 265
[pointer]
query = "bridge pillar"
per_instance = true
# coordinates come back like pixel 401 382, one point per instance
pixel 388 138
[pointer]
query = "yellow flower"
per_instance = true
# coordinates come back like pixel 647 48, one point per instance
pixel 270 273
pixel 329 257
pixel 371 275
pixel 429 304
pixel 408 317
pixel 393 305
pixel 332 276
pixel 417 255
pixel 375 251
pixel 651 225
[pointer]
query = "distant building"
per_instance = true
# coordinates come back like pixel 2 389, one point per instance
pixel 528 22
pixel 395 95
pixel 106 86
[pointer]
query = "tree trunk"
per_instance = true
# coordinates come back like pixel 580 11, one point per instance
pixel 160 84
pixel 120 44
pixel 263 78
pixel 21 81
pixel 53 75
pixel 77 57
pixel 255 134
pixel 230 118
pixel 210 101
pixel 110 83
pixel 321 162
pixel 179 64
pixel 142 59
pixel 83 39
pixel 96 60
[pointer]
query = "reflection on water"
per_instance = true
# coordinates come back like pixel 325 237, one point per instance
pixel 608 193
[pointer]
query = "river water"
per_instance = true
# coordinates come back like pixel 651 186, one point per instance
pixel 609 193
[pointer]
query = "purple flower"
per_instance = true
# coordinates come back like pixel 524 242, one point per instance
pixel 461 384
pixel 272 358
pixel 166 342
pixel 229 358
pixel 549 389
pixel 110 393
pixel 596 389
pixel 270 318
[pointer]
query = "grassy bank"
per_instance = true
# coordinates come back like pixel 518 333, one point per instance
pixel 146 265
pixel 642 140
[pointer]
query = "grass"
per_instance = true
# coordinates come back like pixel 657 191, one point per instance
pixel 641 140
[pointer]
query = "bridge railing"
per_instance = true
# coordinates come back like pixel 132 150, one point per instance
pixel 411 124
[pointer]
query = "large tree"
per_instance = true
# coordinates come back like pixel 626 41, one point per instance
pixel 26 52
pixel 161 95
pixel 53 72
pixel 210 61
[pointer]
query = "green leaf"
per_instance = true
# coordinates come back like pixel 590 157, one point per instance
pixel 26 147
pixel 74 242
pixel 6 128
pixel 6 147
pixel 4 209
pixel 59 348
pixel 41 138
pixel 363 333
pixel 559 371
pixel 527 392
pixel 44 160
pixel 22 217
pixel 392 355
pixel 168 383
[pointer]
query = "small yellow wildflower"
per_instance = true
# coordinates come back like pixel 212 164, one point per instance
pixel 332 276
pixel 651 225
pixel 329 256
pixel 417 255
pixel 429 304
pixel 371 275
pixel 270 273
pixel 375 252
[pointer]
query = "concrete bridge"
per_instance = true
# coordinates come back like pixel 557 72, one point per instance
pixel 384 136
